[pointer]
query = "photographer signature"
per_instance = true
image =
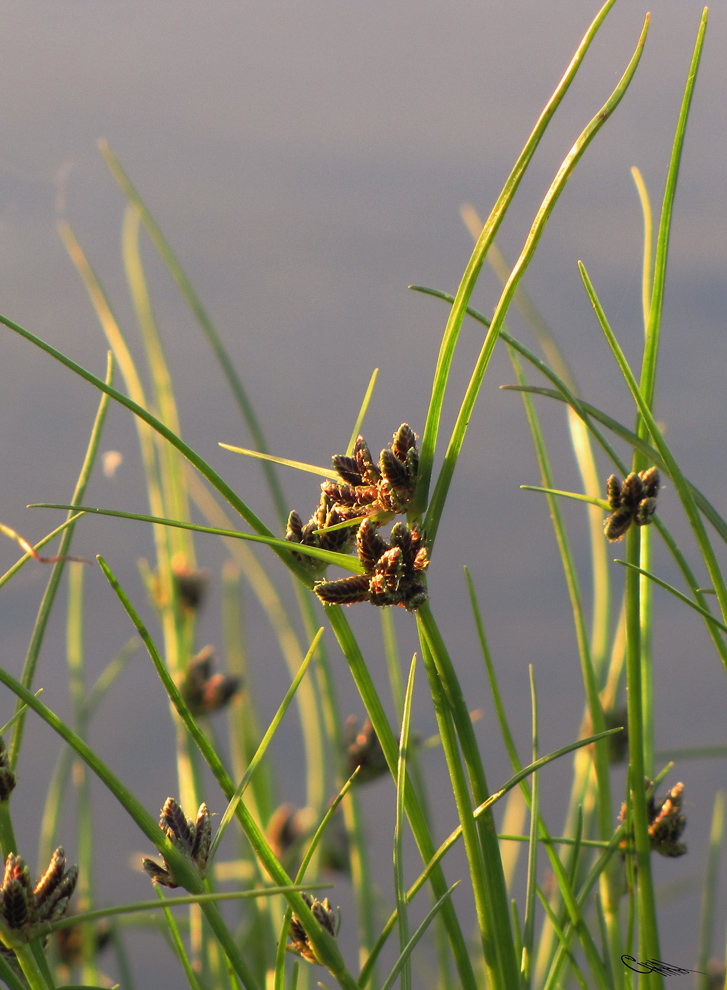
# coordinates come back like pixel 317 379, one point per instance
pixel 656 966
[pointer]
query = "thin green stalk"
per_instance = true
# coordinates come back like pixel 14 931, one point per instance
pixel 528 933
pixel 75 659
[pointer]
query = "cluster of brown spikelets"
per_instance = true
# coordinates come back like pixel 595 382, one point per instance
pixel 192 838
pixel 634 501
pixel 371 492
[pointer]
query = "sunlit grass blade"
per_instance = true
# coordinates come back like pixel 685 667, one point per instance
pixel 51 590
pixel 648 370
pixel 362 411
pixel 674 591
pixel 601 503
pixel 199 463
pixel 411 944
pixel 202 318
pixel 178 943
pixel 285 462
pixel 481 846
pixel 399 885
pixel 262 748
pixel 469 279
pixel 283 547
pixel 528 933
pixel 683 489
pixel 171 466
pixel 441 489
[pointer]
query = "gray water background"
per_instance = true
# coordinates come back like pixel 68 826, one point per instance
pixel 308 162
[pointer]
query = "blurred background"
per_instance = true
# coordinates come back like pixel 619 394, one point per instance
pixel 308 162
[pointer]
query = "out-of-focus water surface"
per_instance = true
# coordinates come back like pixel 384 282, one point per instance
pixel 308 162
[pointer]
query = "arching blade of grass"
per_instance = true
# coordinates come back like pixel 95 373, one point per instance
pixel 203 320
pixel 164 402
pixel 441 489
pixel 674 591
pixel 282 547
pixel 284 462
pixel 192 456
pixel 49 595
pixel 469 279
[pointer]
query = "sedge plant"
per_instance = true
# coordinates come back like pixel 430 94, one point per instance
pixel 376 524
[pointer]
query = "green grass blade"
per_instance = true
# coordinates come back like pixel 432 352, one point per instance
pixel 489 230
pixel 648 371
pixel 441 489
pixel 528 932
pixel 411 944
pixel 674 591
pixel 49 595
pixel 201 465
pixel 203 320
pixel 362 412
pixel 282 547
pixel 262 748
pixel 399 885
pixel 489 886
pixel 683 489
